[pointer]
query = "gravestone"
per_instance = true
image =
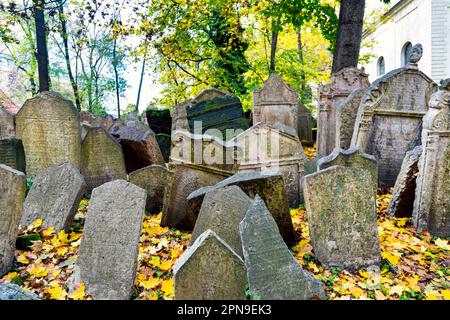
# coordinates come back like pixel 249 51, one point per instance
pixel 49 127
pixel 304 126
pixel 101 159
pixel 273 272
pixel 12 195
pixel 139 146
pixel 276 102
pixel 209 270
pixel 105 122
pixel 7 129
pixel 340 86
pixel 54 197
pixel 402 201
pixel 274 147
pixel 432 205
pixel 351 158
pixel 341 208
pixel 107 259
pixel 222 211
pixel 152 179
pixel 12 154
pixel 389 120
pixel 10 291
pixel 345 118
pixel 268 185
pixel 179 117
pixel 116 126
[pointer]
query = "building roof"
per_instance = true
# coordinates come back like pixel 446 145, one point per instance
pixel 395 7
pixel 7 104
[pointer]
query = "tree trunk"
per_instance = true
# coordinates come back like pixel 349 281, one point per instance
pixel 41 45
pixel 141 81
pixel 348 40
pixel 300 57
pixel 273 47
pixel 116 73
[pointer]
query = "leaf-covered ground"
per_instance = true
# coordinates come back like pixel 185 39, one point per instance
pixel 414 266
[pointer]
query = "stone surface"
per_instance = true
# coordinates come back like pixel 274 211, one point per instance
pixel 304 126
pixel 209 270
pixel 402 201
pixel 345 118
pixel 389 120
pixel 268 185
pixel 101 158
pixel 12 195
pixel 12 154
pixel 152 179
pixel 341 208
pixel 340 86
pixel 351 158
pixel 273 272
pixel 49 127
pixel 179 117
pixel 222 211
pixel 432 205
pixel 54 197
pixel 7 129
pixel 9 291
pixel 105 122
pixel 139 146
pixel 109 248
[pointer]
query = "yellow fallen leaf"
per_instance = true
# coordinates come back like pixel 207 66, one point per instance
pixel 57 293
pixel 38 272
pixel 79 293
pixel 56 273
pixel 149 284
pixel 22 259
pixel 357 292
pixel 10 276
pixel 48 232
pixel 432 295
pixel 167 287
pixel 154 296
pixel 379 295
pixel 393 259
pixel 37 223
pixel 62 250
pixel 412 283
pixel 445 294
pixel 166 265
pixel 63 236
pixel 398 289
pixel 442 244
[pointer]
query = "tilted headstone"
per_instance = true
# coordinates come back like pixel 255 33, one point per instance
pixel 10 291
pixel 340 86
pixel 351 158
pixel 341 208
pixel 345 118
pixel 12 195
pixel 49 127
pixel 222 211
pixel 107 259
pixel 12 154
pixel 304 126
pixel 7 129
pixel 268 185
pixel 432 203
pixel 105 122
pixel 101 158
pixel 152 179
pixel 389 120
pixel 273 272
pixel 54 197
pixel 209 270
pixel 139 146
pixel 402 201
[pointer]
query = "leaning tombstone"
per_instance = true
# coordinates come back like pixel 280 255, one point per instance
pixel 222 211
pixel 273 272
pixel 12 154
pixel 152 179
pixel 107 259
pixel 304 126
pixel 101 158
pixel 54 197
pixel 341 208
pixel 7 129
pixel 10 291
pixel 209 270
pixel 49 127
pixel 12 195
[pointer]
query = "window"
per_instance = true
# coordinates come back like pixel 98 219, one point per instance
pixel 381 66
pixel 406 52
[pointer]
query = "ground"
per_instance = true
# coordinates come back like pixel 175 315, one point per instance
pixel 415 266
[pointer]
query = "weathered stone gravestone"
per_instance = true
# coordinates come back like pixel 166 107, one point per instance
pixel 109 249
pixel 101 158
pixel 49 127
pixel 179 117
pixel 345 118
pixel 54 197
pixel 276 102
pixel 209 270
pixel 152 179
pixel 105 122
pixel 12 195
pixel 432 203
pixel 222 211
pixel 274 147
pixel 304 126
pixel 389 120
pixel 139 146
pixel 402 201
pixel 351 158
pixel 341 208
pixel 12 154
pixel 273 272
pixel 340 86
pixel 268 185
pixel 7 129
pixel 9 291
